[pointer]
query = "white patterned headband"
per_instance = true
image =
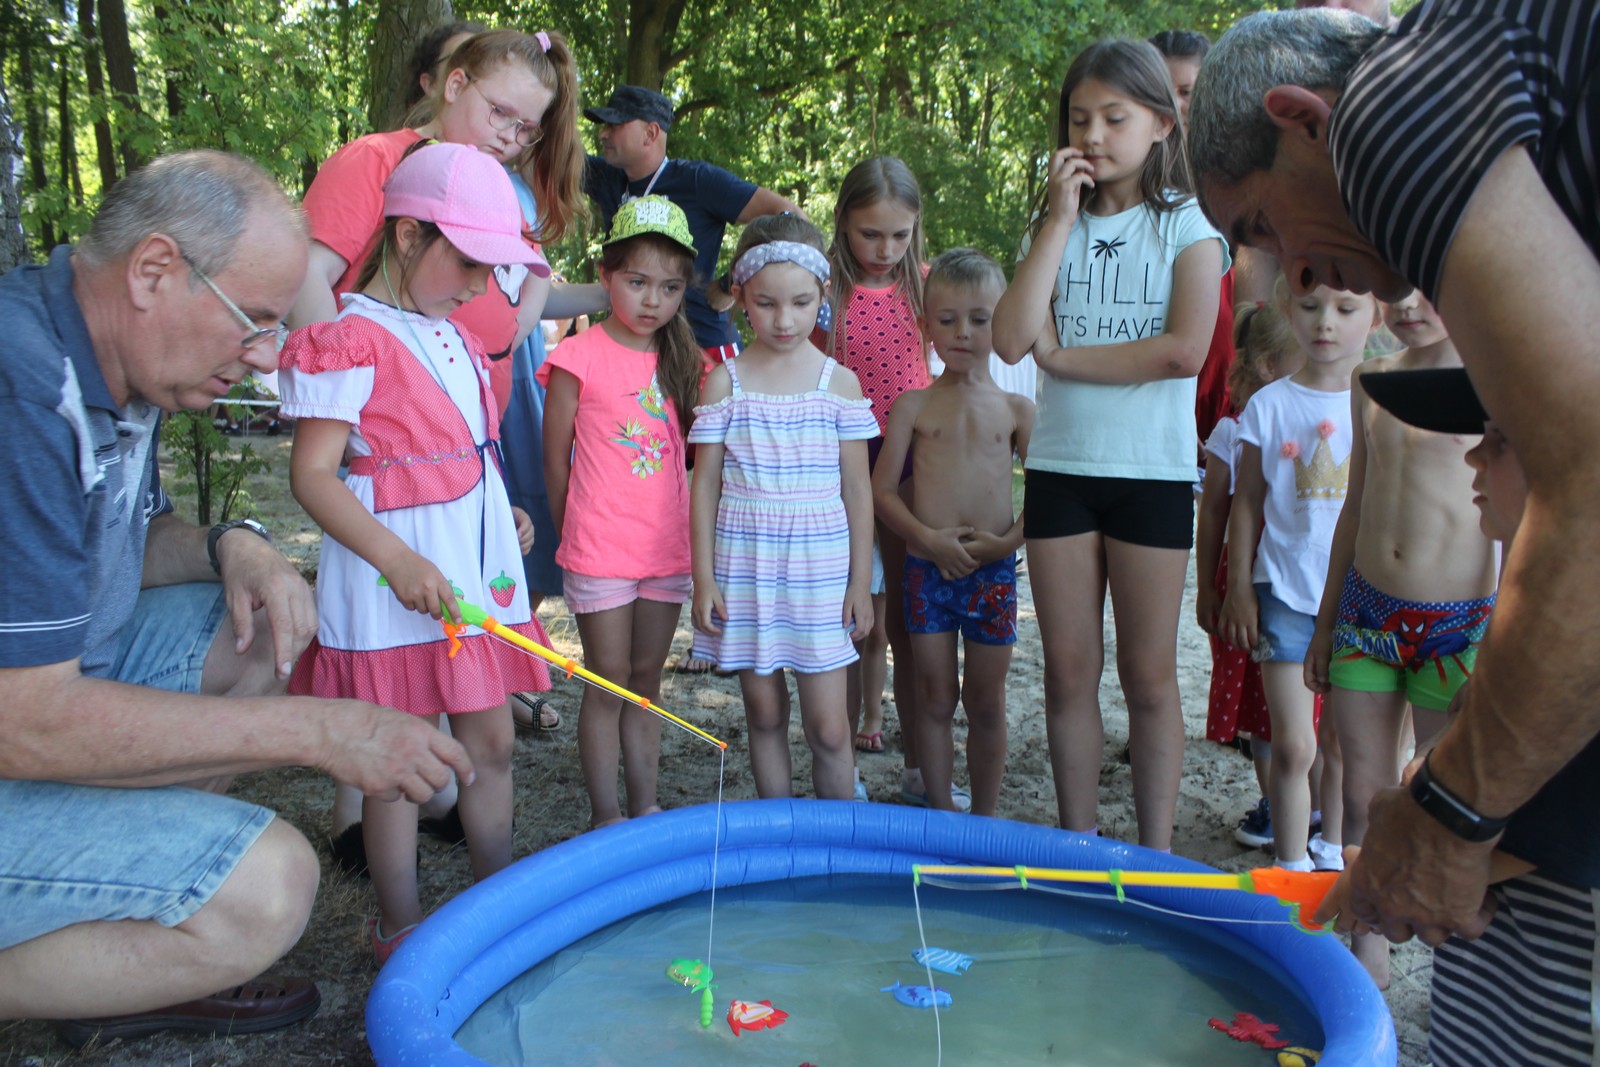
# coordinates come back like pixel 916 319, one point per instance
pixel 780 252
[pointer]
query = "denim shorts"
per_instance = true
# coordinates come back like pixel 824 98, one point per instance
pixel 74 853
pixel 1286 630
pixel 165 642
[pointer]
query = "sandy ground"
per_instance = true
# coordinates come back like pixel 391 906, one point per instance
pixel 1218 786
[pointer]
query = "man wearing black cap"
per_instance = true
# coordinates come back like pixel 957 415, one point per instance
pixel 633 162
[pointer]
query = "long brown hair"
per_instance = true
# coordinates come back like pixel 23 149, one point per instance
pixel 1262 345
pixel 870 182
pixel 1136 70
pixel 427 234
pixel 678 354
pixel 553 168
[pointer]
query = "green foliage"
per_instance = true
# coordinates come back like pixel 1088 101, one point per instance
pixel 209 468
pixel 790 93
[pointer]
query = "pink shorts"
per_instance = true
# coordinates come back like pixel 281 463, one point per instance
pixel 585 595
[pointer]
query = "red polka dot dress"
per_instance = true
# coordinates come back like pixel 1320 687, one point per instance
pixel 883 347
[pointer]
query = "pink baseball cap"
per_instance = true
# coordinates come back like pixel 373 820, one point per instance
pixel 469 197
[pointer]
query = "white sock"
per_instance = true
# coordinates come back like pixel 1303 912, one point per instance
pixel 1302 864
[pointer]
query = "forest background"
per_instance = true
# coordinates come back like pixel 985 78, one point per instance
pixel 786 93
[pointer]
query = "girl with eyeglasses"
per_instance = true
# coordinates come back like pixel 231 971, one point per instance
pixel 514 97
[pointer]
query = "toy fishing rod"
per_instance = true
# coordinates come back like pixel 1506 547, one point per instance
pixel 472 615
pixel 1301 891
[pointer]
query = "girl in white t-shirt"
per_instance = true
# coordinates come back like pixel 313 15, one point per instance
pixel 1116 296
pixel 1294 464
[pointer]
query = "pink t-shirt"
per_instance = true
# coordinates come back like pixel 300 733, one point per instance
pixel 345 207
pixel 628 497
pixel 883 347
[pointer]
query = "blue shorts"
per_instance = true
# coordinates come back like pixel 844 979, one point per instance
pixel 983 605
pixel 1287 631
pixel 73 853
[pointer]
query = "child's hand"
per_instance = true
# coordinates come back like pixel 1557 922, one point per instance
pixel 858 610
pixel 708 610
pixel 421 586
pixel 947 550
pixel 1318 655
pixel 1207 608
pixel 1070 175
pixel 524 529
pixel 985 547
pixel 1240 621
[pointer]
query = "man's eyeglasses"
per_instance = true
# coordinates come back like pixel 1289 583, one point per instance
pixel 527 133
pixel 258 333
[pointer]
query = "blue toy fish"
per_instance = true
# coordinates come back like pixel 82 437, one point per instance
pixel 943 959
pixel 919 996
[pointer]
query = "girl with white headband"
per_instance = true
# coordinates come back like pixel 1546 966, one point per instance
pixel 781 512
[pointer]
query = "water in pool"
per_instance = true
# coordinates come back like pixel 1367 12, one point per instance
pixel 1055 981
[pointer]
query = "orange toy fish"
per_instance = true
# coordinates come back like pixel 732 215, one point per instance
pixel 754 1015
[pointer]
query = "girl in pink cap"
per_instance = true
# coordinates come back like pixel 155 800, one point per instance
pixel 423 517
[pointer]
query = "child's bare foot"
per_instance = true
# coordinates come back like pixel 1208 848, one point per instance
pixel 1372 950
pixel 654 809
pixel 601 824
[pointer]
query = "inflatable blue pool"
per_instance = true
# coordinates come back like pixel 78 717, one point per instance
pixel 488 936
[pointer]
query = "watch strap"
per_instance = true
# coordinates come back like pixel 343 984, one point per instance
pixel 1450 810
pixel 232 524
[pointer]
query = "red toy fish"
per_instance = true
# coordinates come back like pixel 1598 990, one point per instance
pixel 1247 1028
pixel 754 1015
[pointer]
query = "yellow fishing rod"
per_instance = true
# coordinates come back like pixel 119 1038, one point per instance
pixel 472 615
pixel 1302 891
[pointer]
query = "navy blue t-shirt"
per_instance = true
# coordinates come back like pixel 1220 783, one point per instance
pixel 1552 831
pixel 710 197
pixel 81 488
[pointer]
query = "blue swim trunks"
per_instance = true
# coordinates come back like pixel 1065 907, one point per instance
pixel 983 605
pixel 1382 644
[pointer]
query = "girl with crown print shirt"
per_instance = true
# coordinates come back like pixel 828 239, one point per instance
pixel 1294 463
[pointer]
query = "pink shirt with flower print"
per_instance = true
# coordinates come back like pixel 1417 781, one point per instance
pixel 628 498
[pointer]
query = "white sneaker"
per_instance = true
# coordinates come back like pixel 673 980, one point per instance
pixel 1324 855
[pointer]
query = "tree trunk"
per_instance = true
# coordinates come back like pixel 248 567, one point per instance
pixel 652 25
pixel 105 151
pixel 13 242
pixel 124 79
pixel 400 25
pixel 67 150
pixel 34 120
pixel 169 28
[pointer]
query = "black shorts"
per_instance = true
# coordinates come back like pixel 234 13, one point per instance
pixel 1139 511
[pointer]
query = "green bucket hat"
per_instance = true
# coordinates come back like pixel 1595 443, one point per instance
pixel 651 214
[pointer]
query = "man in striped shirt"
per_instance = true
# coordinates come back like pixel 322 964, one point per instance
pixel 1456 153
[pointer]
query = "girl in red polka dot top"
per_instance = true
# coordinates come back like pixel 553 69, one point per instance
pixel 876 296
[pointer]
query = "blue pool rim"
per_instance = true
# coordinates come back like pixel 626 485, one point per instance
pixel 483 939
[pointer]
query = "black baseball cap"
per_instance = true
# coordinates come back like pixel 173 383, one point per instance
pixel 631 102
pixel 1439 400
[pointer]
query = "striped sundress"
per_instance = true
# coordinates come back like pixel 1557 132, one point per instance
pixel 782 541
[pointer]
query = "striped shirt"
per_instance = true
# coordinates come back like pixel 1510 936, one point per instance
pixel 1435 103
pixel 1523 993
pixel 80 488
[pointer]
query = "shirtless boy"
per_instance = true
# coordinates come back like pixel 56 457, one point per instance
pixel 1411 582
pixel 960 532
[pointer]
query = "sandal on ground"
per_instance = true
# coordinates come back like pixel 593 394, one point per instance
pixel 542 718
pixel 267 1002
pixel 869 742
pixel 689 664
pixel 958 796
pixel 383 947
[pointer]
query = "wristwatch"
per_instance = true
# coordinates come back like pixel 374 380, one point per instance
pixel 1451 810
pixel 232 524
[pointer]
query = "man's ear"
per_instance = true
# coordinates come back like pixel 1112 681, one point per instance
pixel 151 260
pixel 1299 112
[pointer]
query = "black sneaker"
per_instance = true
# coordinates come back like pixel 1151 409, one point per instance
pixel 1255 829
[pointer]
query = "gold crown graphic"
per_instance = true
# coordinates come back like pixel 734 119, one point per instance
pixel 1321 478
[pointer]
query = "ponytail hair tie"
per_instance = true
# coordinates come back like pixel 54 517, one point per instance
pixel 544 41
pixel 1260 304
